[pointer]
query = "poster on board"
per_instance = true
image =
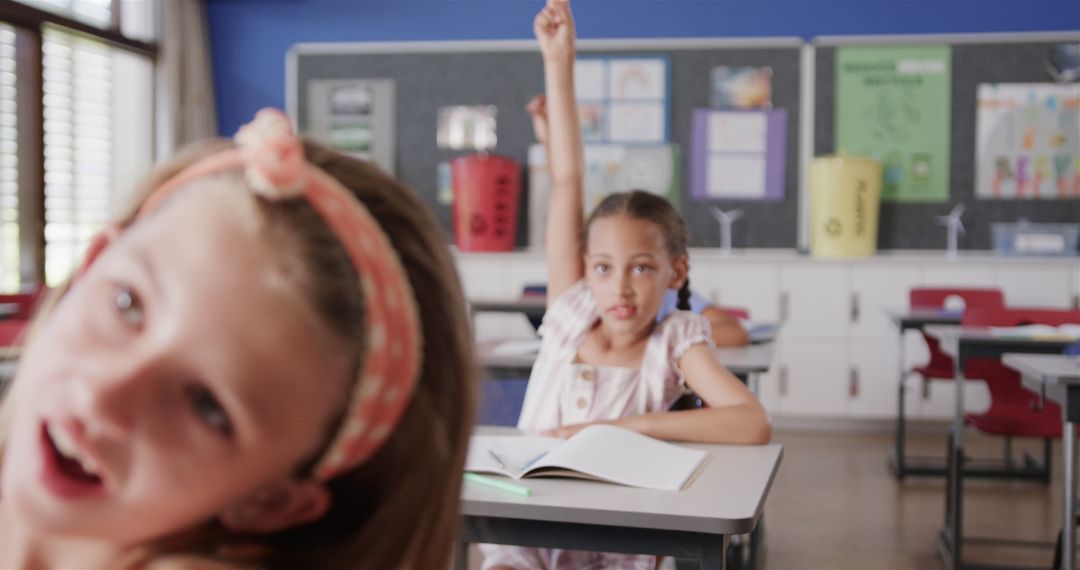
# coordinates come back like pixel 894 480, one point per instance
pixel 623 100
pixel 355 116
pixel 1027 141
pixel 609 168
pixel 893 104
pixel 738 155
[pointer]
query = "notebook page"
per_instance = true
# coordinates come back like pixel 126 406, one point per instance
pixel 514 450
pixel 626 457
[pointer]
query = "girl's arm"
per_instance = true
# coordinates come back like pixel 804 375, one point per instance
pixel 554 28
pixel 734 415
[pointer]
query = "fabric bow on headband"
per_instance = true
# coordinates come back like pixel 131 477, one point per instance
pixel 274 165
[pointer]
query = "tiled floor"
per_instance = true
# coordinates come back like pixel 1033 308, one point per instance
pixel 836 505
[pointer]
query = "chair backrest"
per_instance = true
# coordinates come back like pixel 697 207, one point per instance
pixel 935 297
pixel 940 365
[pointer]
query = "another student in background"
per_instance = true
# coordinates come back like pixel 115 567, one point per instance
pixel 234 379
pixel 727 330
pixel 604 358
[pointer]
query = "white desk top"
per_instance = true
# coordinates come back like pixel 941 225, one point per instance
pixel 949 336
pixel 1051 368
pixel 725 496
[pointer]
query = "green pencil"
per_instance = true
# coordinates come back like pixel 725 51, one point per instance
pixel 497 484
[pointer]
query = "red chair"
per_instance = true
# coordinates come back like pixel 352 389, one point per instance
pixel 13 328
pixel 940 366
pixel 1014 411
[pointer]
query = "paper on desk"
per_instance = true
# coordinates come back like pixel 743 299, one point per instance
pixel 1064 332
pixel 517 346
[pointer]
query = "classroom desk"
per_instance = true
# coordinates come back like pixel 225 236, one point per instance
pixel 696 523
pixel 915 319
pixel 532 307
pixel 962 343
pixel 1057 377
pixel 746 362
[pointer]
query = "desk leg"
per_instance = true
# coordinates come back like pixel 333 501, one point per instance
pixel 901 415
pixel 461 556
pixel 714 556
pixel 1068 537
pixel 954 487
pixel 754 379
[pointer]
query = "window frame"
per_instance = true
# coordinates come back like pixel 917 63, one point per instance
pixel 28 23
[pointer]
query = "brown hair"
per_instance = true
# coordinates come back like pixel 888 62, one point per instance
pixel 641 205
pixel 400 507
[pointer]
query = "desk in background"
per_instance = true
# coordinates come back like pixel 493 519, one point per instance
pixel 696 522
pixel 962 343
pixel 1057 377
pixel 918 320
pixel 746 362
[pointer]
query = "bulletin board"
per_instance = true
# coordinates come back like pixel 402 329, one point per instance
pixel 427 76
pixel 977 59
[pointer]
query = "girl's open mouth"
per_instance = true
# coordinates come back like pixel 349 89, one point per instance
pixel 623 311
pixel 67 472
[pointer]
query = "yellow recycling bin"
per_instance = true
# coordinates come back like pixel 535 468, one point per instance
pixel 845 196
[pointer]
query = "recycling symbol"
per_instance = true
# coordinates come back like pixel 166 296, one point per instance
pixel 833 227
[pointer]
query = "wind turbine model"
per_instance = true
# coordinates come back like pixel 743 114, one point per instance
pixel 725 219
pixel 954 227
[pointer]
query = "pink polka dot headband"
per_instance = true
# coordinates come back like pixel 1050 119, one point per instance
pixel 273 161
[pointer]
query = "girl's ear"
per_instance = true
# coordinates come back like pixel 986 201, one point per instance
pixel 100 243
pixel 278 506
pixel 681 265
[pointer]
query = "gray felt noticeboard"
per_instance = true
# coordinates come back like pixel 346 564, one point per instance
pixel 914 225
pixel 430 75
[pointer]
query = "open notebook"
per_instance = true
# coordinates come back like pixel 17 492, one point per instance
pixel 601 452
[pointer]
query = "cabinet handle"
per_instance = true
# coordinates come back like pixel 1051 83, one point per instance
pixel 783 381
pixel 855 310
pixel 853 383
pixel 784 306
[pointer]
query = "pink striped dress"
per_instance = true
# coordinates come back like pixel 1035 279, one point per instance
pixel 563 390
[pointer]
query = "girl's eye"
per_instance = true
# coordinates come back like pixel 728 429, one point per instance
pixel 208 410
pixel 601 268
pixel 641 268
pixel 128 305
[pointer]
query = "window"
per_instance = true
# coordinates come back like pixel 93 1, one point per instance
pixel 95 83
pixel 9 184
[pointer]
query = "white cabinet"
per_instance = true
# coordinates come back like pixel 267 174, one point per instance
pixel 874 377
pixel 815 300
pixel 878 289
pixel 1037 286
pixel 752 286
pixel 813 378
pixel 946 273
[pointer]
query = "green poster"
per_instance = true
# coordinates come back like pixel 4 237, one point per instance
pixel 892 104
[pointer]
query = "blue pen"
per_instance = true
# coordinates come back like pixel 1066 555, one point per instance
pixel 530 462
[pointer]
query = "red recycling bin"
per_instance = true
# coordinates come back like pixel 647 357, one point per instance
pixel 486 190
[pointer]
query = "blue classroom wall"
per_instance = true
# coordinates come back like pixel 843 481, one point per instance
pixel 249 38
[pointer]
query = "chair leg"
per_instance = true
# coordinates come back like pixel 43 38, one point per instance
pixel 1047 455
pixel 1009 452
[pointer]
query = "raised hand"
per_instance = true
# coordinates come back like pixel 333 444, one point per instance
pixel 537 109
pixel 554 29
